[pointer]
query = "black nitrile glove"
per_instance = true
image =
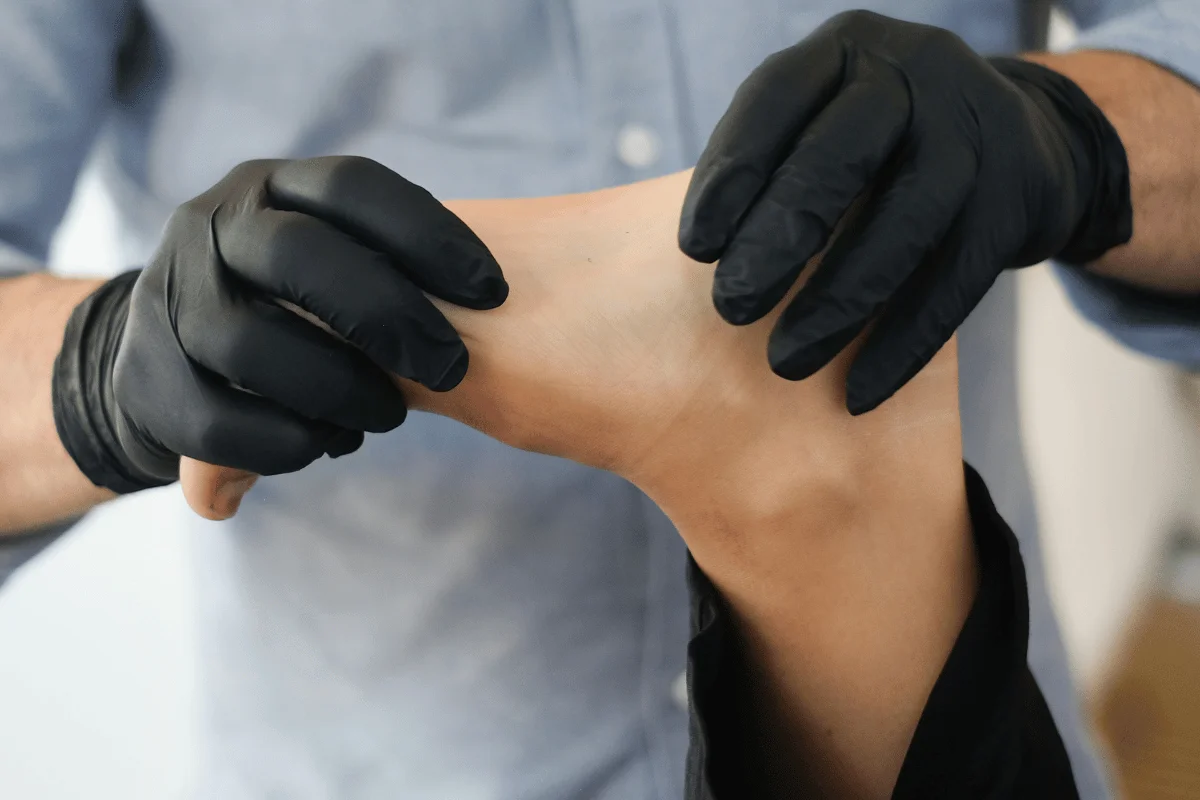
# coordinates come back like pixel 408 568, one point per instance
pixel 972 166
pixel 192 356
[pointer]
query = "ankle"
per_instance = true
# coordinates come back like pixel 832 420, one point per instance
pixel 755 476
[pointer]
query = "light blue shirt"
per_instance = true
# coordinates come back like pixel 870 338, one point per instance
pixel 440 616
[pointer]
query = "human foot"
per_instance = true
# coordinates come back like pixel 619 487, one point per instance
pixel 839 543
pixel 608 352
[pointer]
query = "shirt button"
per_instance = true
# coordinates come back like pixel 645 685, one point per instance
pixel 679 691
pixel 638 146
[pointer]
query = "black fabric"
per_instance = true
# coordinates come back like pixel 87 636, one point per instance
pixel 194 356
pixel 986 732
pixel 961 167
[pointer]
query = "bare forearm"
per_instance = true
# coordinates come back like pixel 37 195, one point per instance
pixel 1156 114
pixel 39 483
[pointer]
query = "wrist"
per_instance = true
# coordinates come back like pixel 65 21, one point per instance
pixel 39 482
pixel 1104 219
pixel 85 412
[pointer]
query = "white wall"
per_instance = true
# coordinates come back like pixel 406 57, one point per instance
pixel 1111 454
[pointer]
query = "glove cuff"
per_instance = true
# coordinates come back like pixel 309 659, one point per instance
pixel 82 388
pixel 1107 219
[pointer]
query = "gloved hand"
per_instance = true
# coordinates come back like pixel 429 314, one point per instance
pixel 192 355
pixel 968 166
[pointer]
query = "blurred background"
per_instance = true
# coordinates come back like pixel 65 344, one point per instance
pixel 96 662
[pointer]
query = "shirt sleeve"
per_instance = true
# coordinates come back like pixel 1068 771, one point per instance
pixel 16 550
pixel 985 731
pixel 1166 32
pixel 57 67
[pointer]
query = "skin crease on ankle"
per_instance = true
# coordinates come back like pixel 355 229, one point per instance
pixel 840 543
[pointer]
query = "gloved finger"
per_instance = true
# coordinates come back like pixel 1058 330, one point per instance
pixel 879 250
pixel 836 158
pixel 768 112
pixel 272 352
pixel 222 424
pixel 351 288
pixel 435 249
pixel 923 316
pixel 213 492
pixel 792 364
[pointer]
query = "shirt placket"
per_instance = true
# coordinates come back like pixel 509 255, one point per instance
pixel 629 81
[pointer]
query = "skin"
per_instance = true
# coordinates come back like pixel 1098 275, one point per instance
pixel 842 544
pixel 39 483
